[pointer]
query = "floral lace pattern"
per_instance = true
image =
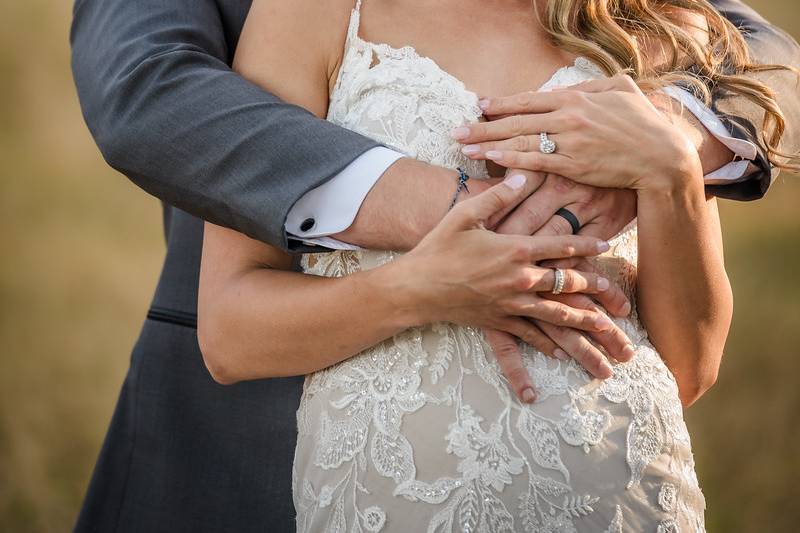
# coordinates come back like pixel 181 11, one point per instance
pixel 422 433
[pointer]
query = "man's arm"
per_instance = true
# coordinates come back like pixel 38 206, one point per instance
pixel 744 119
pixel 165 109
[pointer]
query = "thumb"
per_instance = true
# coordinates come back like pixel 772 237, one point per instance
pixel 476 211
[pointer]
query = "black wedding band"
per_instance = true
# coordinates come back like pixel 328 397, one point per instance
pixel 570 217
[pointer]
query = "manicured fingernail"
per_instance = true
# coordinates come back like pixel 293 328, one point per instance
pixel 516 181
pixel 605 370
pixel 602 284
pixel 494 154
pixel 603 323
pixel 471 149
pixel 626 309
pixel 528 396
pixel 483 103
pixel 603 246
pixel 461 132
pixel 558 353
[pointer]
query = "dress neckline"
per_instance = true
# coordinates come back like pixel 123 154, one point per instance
pixel 410 52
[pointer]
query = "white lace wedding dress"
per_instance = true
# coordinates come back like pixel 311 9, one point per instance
pixel 422 433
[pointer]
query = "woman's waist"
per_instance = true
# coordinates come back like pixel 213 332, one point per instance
pixel 436 356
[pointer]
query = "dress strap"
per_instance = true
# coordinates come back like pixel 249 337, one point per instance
pixel 355 21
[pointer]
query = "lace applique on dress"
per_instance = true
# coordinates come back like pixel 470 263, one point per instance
pixel 422 433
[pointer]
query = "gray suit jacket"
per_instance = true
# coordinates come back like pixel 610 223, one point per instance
pixel 183 453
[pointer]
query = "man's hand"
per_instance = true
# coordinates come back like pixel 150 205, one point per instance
pixel 602 213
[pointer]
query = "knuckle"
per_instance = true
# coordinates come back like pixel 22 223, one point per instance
pixel 563 315
pixel 520 143
pixel 562 184
pixel 567 250
pixel 574 120
pixel 504 349
pixel 516 124
pixel 517 375
pixel 569 279
pixel 523 282
pixel 588 321
pixel 523 100
pixel 506 286
pixel 581 167
pixel 520 253
pixel 588 356
pixel 532 335
pixel 533 216
pixel 508 306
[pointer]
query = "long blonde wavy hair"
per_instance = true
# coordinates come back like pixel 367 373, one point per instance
pixel 615 33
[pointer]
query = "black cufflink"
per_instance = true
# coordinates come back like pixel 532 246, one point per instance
pixel 307 224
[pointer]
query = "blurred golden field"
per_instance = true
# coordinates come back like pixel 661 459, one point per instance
pixel 81 249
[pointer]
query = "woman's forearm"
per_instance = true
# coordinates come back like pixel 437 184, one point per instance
pixel 271 323
pixel 684 296
pixel 258 319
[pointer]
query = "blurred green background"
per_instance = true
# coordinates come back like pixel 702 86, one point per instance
pixel 81 249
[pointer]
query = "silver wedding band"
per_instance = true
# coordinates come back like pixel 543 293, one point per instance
pixel 558 286
pixel 546 145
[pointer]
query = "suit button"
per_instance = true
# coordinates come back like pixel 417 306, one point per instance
pixel 307 224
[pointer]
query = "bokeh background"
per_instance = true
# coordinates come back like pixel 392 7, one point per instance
pixel 80 251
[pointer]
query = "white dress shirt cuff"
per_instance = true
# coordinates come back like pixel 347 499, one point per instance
pixel 332 207
pixel 745 150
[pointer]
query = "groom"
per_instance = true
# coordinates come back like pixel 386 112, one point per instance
pixel 186 454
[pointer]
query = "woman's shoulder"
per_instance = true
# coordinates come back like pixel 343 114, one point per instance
pixel 292 48
pixel 310 21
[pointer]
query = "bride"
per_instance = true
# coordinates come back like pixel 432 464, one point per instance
pixel 406 423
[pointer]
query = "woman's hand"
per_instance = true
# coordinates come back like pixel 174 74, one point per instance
pixel 607 134
pixel 464 274
pixel 461 272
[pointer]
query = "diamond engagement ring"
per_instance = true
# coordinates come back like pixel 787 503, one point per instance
pixel 558 286
pixel 546 146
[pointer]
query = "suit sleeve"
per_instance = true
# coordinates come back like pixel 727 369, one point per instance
pixel 165 109
pixel 744 119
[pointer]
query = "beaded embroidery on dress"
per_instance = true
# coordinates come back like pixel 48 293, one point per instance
pixel 422 433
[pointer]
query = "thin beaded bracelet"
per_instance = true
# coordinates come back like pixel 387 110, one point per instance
pixel 462 186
